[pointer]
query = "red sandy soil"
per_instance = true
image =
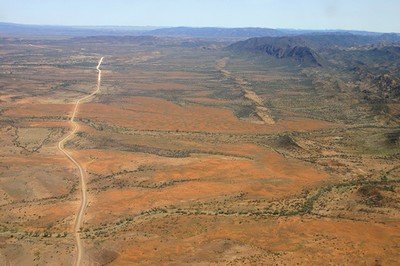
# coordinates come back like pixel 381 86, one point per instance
pixel 209 176
pixel 144 113
pixel 304 241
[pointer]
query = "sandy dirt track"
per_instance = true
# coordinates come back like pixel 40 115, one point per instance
pixel 82 207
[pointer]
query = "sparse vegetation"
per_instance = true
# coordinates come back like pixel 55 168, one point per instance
pixel 181 161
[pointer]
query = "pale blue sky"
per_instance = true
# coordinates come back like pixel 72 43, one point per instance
pixel 373 15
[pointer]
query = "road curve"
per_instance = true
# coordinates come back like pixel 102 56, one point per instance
pixel 75 128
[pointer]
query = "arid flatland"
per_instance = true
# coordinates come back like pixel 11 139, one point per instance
pixel 200 152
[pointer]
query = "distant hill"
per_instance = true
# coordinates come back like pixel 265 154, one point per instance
pixel 345 40
pixel 213 32
pixel 21 30
pixel 388 55
pixel 306 48
pixel 281 47
pixel 142 40
pixel 12 29
pixel 380 67
pixel 316 37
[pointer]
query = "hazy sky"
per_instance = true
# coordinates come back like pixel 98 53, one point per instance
pixel 373 15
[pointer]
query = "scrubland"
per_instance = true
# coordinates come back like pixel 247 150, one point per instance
pixel 182 166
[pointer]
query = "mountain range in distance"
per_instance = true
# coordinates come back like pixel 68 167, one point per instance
pixel 18 30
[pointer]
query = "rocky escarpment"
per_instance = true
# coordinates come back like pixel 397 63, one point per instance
pixel 282 47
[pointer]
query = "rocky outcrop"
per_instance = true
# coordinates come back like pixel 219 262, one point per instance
pixel 283 47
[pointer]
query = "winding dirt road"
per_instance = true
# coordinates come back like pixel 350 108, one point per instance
pixel 75 128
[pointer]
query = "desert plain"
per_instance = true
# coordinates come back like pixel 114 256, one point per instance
pixel 193 154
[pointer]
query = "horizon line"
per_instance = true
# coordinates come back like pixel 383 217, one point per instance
pixel 198 27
